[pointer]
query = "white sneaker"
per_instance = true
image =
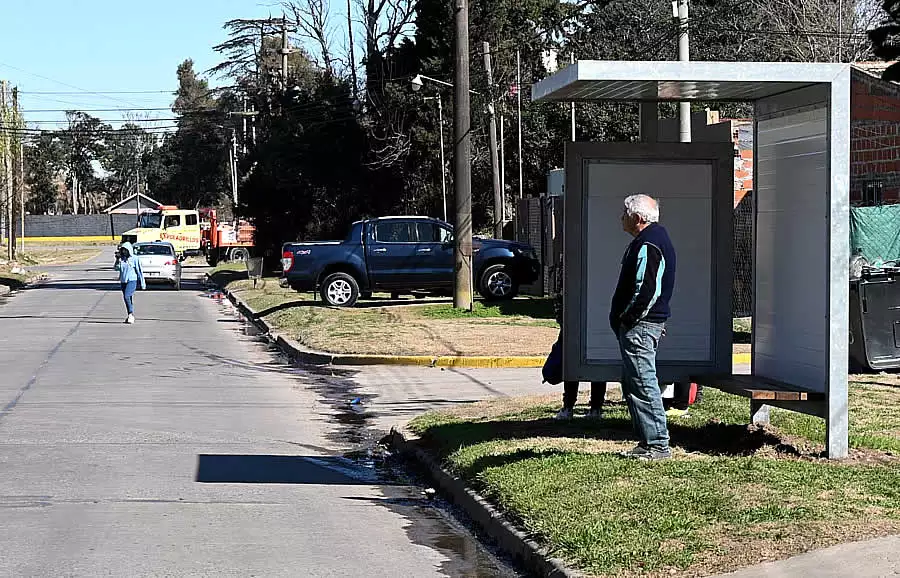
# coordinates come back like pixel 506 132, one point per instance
pixel 130 319
pixel 565 414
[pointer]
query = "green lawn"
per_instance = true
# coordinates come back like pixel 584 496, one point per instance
pixel 732 495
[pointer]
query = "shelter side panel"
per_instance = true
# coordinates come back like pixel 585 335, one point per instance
pixel 792 230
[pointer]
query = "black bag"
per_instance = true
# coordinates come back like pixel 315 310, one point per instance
pixel 552 370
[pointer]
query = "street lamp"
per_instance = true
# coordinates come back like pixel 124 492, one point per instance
pixel 416 83
pixel 441 132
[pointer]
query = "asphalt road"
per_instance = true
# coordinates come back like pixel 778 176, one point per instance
pixel 183 446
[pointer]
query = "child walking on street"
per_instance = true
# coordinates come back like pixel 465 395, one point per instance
pixel 130 276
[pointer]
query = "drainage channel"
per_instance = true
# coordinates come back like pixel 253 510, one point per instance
pixel 433 522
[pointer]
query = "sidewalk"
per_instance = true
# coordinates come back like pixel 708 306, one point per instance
pixel 878 558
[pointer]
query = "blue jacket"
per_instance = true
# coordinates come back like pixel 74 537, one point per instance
pixel 130 268
pixel 646 280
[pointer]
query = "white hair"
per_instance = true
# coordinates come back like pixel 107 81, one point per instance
pixel 644 206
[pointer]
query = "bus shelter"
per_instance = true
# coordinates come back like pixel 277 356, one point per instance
pixel 800 232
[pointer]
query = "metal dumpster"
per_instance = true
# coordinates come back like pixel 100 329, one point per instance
pixel 875 320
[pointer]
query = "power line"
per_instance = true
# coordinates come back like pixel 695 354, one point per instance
pixel 63 83
pixel 98 92
pixel 37 110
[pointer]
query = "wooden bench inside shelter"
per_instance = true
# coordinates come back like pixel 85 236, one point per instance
pixel 764 393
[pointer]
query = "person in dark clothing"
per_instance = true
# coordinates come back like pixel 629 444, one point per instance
pixel 570 388
pixel 638 315
pixel 553 374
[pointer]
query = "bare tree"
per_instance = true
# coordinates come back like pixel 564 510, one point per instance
pixel 820 30
pixel 314 25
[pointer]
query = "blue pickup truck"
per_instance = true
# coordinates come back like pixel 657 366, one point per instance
pixel 403 255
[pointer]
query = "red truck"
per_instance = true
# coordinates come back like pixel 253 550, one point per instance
pixel 225 241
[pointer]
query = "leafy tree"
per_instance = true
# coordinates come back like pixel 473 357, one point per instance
pixel 127 153
pixel 886 39
pixel 44 162
pixel 195 170
pixel 84 146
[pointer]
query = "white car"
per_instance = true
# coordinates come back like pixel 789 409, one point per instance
pixel 159 262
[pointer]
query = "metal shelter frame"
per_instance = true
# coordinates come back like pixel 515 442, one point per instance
pixel 801 237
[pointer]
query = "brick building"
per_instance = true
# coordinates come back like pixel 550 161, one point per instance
pixel 874 145
pixel 875 136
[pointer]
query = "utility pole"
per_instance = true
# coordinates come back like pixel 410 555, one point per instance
pixel 244 127
pixel 4 150
pixel 353 54
pixel 462 182
pixel 284 53
pixel 503 163
pixel 495 162
pixel 441 136
pixel 22 185
pixel 13 182
pixel 572 60
pixel 519 105
pixel 232 157
pixel 684 55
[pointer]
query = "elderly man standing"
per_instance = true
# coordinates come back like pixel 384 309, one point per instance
pixel 640 308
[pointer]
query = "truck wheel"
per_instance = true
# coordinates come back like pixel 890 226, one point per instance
pixel 240 254
pixel 340 290
pixel 497 283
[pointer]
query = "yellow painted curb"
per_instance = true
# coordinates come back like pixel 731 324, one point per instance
pixel 523 362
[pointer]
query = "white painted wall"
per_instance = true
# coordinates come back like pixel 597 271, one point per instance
pixel 792 235
pixel 685 191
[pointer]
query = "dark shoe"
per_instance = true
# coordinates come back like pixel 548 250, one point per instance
pixel 648 454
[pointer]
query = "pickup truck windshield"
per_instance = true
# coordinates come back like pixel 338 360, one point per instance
pixel 149 221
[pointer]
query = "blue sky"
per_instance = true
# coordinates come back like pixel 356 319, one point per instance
pixel 80 46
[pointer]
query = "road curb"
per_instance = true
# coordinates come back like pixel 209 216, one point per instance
pixel 5 290
pixel 516 543
pixel 302 354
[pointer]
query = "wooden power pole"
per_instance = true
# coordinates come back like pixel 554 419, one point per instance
pixel 15 183
pixel 462 172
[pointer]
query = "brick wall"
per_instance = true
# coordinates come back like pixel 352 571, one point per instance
pixel 875 137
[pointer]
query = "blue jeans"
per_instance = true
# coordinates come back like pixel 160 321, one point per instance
pixel 128 290
pixel 639 384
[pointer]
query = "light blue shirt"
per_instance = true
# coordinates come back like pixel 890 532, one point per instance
pixel 130 269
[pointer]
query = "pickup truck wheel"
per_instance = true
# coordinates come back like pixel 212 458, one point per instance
pixel 340 290
pixel 497 283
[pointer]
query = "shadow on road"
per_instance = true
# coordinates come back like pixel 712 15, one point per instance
pixel 279 469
